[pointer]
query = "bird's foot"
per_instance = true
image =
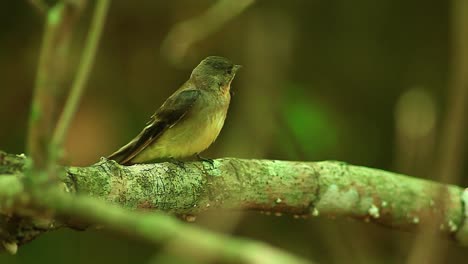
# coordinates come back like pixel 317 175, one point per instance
pixel 178 163
pixel 210 161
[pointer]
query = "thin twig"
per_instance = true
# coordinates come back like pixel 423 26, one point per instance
pixel 40 5
pixel 159 228
pixel 186 33
pixel 50 73
pixel 82 75
pixel 427 248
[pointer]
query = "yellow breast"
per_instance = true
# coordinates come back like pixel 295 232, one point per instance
pixel 188 137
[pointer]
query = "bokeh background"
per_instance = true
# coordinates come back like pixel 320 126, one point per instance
pixel 373 83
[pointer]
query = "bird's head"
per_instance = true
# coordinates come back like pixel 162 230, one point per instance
pixel 214 73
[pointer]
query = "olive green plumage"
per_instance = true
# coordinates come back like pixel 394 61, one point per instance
pixel 189 120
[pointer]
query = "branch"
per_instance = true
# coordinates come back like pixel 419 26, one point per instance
pixel 40 6
pixel 158 228
pixel 60 20
pixel 427 248
pixel 83 73
pixel 183 35
pixel 327 188
pixel 25 215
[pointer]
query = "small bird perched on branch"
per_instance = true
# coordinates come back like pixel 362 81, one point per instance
pixel 189 120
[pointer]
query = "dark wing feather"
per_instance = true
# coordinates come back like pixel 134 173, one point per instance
pixel 174 109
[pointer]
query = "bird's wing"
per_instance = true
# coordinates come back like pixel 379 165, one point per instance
pixel 173 110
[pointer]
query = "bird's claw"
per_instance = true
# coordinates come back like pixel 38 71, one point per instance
pixel 210 161
pixel 178 163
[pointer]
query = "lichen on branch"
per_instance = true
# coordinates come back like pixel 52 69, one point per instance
pixel 327 188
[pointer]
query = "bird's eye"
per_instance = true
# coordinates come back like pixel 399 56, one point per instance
pixel 229 71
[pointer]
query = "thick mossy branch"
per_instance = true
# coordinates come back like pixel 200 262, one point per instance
pixel 327 188
pixel 26 213
pixel 198 186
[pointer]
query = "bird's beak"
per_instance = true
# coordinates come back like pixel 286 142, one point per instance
pixel 236 68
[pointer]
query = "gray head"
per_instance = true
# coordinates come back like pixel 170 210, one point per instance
pixel 214 72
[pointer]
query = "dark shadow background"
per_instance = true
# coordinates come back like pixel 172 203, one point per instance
pixel 365 82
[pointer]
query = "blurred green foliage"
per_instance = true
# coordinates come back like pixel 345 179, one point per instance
pixel 309 123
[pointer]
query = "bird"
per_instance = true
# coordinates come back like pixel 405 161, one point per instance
pixel 189 121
